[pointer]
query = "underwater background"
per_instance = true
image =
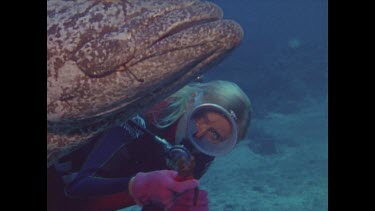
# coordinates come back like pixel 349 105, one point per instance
pixel 282 65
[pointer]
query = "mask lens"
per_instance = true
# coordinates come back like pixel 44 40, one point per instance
pixel 212 129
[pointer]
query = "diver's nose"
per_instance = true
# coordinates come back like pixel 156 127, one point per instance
pixel 201 130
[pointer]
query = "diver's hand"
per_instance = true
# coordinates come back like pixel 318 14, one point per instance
pixel 158 187
pixel 185 202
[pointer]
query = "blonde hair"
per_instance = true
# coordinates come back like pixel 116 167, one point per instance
pixel 224 93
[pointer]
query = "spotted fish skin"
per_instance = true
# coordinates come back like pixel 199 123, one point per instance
pixel 110 59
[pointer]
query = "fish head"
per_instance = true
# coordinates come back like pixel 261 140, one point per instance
pixel 124 49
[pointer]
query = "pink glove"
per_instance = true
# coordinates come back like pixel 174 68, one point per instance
pixel 185 202
pixel 158 187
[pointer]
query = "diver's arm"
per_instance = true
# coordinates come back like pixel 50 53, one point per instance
pixel 86 184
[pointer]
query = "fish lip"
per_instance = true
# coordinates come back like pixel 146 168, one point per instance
pixel 154 51
pixel 185 26
pixel 179 28
pixel 215 14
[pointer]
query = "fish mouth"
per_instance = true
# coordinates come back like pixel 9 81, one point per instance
pixel 185 26
pixel 159 47
pixel 164 49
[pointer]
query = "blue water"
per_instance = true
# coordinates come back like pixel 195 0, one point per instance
pixel 282 66
pixel 266 64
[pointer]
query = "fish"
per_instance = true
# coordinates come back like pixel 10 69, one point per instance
pixel 108 60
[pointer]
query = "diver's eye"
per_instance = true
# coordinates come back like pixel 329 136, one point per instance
pixel 215 134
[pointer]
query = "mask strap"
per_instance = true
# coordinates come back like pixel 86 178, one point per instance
pixel 198 98
pixel 233 115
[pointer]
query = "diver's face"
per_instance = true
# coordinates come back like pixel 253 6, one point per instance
pixel 212 127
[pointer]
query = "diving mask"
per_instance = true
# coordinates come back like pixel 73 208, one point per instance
pixel 214 142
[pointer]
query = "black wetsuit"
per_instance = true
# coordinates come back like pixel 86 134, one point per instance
pixel 107 163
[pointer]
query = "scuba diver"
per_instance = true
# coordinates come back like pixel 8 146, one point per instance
pixel 154 160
